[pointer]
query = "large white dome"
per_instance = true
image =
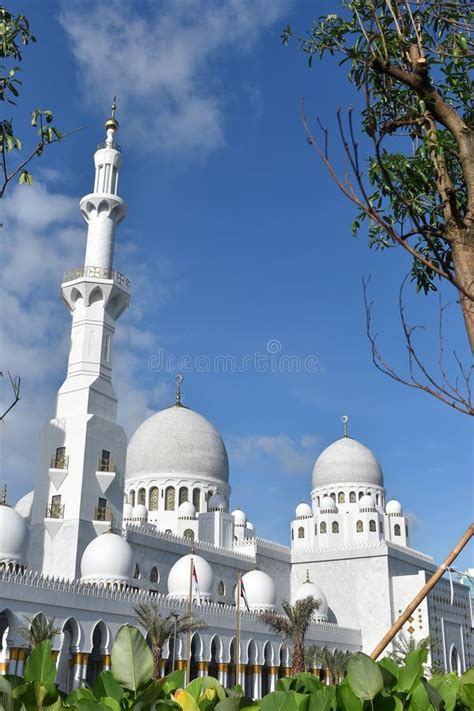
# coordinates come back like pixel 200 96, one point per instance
pixel 260 590
pixel 23 505
pixel 177 442
pixel 347 461
pixel 179 577
pixel 14 535
pixel 108 558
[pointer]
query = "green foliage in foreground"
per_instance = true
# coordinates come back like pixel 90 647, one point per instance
pixel 368 686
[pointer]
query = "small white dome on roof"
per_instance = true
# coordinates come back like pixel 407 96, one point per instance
pixel 107 559
pixel 140 512
pixel 328 504
pixel 260 590
pixel 346 461
pixel 310 589
pixel 179 576
pixel 177 442
pixel 303 510
pixel 23 506
pixel 216 502
pixel 366 502
pixel 240 519
pixel 186 510
pixel 14 535
pixel 127 510
pixel 393 507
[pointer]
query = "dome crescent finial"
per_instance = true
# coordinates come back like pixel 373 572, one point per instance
pixel 177 381
pixel 344 420
pixel 3 499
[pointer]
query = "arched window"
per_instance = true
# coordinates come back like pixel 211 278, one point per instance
pixel 372 526
pixel 323 527
pixel 168 531
pixel 221 588
pixel 131 497
pixel 301 532
pixel 170 498
pixel 352 497
pixel 141 496
pixel 197 499
pixel 317 501
pixel 377 499
pixel 361 494
pixel 341 498
pixel 359 526
pixel 183 494
pixel 396 529
pixel 333 496
pixel 136 572
pixel 153 499
pixel 315 529
pixel 189 534
pixel 335 527
pixel 154 575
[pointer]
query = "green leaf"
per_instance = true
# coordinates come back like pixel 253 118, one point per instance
pixel 419 699
pixel 132 661
pixel 346 699
pixel 36 695
pixel 306 683
pixel 105 685
pixel 185 700
pixel 364 676
pixel 111 703
pixel 284 701
pixel 323 700
pixel 412 671
pixel 173 681
pixel 466 688
pixel 200 685
pixel 447 686
pixel 390 672
pixel 40 665
pixel 77 694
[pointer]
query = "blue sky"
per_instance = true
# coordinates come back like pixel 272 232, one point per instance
pixel 236 236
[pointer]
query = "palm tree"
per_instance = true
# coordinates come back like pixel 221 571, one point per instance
pixel 293 625
pixel 39 629
pixel 333 662
pixel 159 629
pixel 404 644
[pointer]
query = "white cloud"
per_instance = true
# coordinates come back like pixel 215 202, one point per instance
pixel 44 234
pixel 165 62
pixel 293 456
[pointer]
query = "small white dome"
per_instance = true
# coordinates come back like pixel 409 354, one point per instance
pixel 179 575
pixel 186 510
pixel 240 519
pixel 216 502
pixel 328 504
pixel 260 590
pixel 393 507
pixel 140 512
pixel 23 506
pixel 309 589
pixel 14 535
pixel 367 502
pixel 303 511
pixel 127 510
pixel 108 558
pixel 346 461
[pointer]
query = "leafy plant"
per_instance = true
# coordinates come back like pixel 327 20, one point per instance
pixel 39 629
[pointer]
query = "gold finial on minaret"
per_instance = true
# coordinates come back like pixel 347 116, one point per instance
pixel 307 576
pixel 112 123
pixel 3 498
pixel 177 381
pixel 344 420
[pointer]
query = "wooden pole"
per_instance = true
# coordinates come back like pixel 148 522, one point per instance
pixel 237 662
pixel 190 610
pixel 423 593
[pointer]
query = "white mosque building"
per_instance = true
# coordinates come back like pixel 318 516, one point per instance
pixel 109 525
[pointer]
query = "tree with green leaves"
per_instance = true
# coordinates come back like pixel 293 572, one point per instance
pixel 293 625
pixel 39 629
pixel 159 630
pixel 334 662
pixel 404 644
pixel 414 187
pixel 15 34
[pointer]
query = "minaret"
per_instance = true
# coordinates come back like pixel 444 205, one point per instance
pixel 79 486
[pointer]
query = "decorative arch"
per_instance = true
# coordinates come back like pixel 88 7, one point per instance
pixel 335 527
pixel 221 588
pixel 183 495
pixel 301 532
pixel 397 530
pixel 352 497
pixel 170 498
pixel 141 496
pixel 197 499
pixel 131 497
pixel 323 528
pixel 359 527
pixel 189 533
pixel 372 526
pixel 70 643
pixel 215 655
pixel 154 575
pixel 341 497
pixel 96 295
pixel 153 498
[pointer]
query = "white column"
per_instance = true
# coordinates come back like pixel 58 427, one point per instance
pixel 256 676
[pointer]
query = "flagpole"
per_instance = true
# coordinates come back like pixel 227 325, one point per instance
pixel 237 663
pixel 190 612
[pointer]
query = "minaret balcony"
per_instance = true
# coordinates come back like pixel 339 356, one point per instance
pixel 55 511
pixel 59 461
pixel 97 273
pixel 103 513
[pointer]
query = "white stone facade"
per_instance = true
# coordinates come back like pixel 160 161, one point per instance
pixel 111 526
